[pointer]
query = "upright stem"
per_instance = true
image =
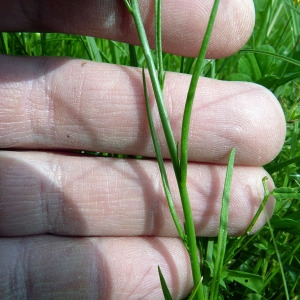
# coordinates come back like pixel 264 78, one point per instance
pixel 188 217
pixel 223 229
pixel 189 224
pixel 191 93
pixel 158 43
pixel 191 239
pixel 156 88
pixel 180 167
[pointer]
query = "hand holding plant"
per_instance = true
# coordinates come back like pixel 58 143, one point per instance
pixel 100 226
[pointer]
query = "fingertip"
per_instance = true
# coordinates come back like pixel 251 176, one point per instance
pixel 267 118
pixel 183 22
pixel 228 114
pixel 233 28
pixel 248 199
pixel 183 36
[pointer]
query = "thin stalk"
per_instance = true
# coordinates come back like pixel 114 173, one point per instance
pixel 188 217
pixel 276 269
pixel 235 248
pixel 128 5
pixel 191 238
pixel 279 261
pixel 162 167
pixel 191 93
pixel 134 10
pixel 189 224
pixel 222 236
pixel 158 43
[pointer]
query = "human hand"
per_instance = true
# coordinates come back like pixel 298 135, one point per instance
pixel 86 227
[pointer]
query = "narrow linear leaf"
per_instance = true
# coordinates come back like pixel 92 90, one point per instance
pixel 275 55
pixel 222 235
pixel 22 47
pixel 284 164
pixel 93 49
pixel 158 43
pixel 134 10
pixel 164 286
pixel 179 168
pixel 289 224
pixel 287 78
pixel 288 3
pixel 239 77
pixel 252 281
pixel 4 43
pixel 286 193
pixel 195 290
pixel 133 57
pixel 162 166
pixel 279 260
pixel 236 247
pixel 192 90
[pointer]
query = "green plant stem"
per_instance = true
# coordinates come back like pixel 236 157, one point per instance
pixel 180 169
pixel 191 238
pixel 191 93
pixel 279 261
pixel 189 224
pixel 158 43
pixel 162 167
pixel 222 236
pixel 275 55
pixel 235 248
pixel 134 9
pixel 188 217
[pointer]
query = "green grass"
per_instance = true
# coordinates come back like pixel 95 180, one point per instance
pixel 267 264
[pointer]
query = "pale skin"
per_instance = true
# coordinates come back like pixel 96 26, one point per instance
pixel 77 227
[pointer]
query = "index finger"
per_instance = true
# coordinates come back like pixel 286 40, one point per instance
pixel 183 22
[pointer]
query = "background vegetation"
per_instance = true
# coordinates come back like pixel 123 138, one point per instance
pixel 267 264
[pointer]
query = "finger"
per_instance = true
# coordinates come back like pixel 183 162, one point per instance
pixel 75 195
pixel 74 104
pixel 184 22
pixel 49 267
